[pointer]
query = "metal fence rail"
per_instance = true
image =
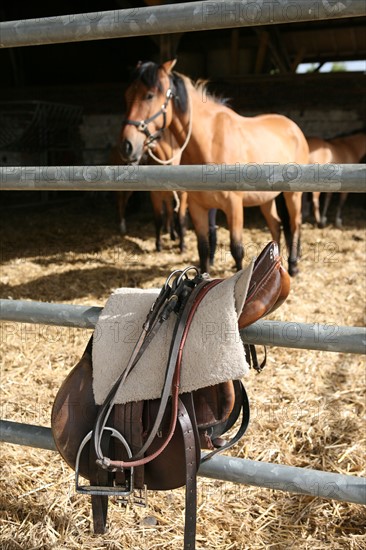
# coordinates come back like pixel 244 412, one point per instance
pixel 184 17
pixel 327 485
pixel 289 334
pixel 206 177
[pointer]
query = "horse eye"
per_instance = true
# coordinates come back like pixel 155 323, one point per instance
pixel 149 95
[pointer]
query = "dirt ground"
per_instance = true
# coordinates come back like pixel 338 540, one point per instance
pixel 308 407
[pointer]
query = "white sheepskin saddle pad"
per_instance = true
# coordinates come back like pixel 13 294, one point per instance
pixel 213 352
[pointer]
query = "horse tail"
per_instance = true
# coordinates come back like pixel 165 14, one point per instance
pixel 285 218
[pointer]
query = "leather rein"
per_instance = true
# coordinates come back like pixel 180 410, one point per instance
pixel 177 296
pixel 182 297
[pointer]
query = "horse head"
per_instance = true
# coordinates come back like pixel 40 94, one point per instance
pixel 150 98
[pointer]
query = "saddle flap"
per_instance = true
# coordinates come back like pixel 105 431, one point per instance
pixel 213 404
pixel 74 411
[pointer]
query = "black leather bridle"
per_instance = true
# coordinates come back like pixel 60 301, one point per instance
pixel 142 125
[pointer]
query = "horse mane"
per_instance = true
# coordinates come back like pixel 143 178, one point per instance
pixel 147 72
pixel 180 92
pixel 201 86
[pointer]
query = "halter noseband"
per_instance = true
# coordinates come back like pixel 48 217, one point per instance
pixel 142 125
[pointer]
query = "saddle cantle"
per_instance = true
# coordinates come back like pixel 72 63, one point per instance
pixel 120 448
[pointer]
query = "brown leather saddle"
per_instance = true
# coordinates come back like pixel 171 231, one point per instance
pixel 156 444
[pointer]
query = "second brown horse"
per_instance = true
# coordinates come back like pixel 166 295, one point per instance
pixel 349 149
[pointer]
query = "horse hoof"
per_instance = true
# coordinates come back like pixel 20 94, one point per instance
pixel 338 223
pixel 322 223
pixel 123 227
pixel 293 270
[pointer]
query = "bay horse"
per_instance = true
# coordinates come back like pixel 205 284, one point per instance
pixel 166 204
pixel 207 131
pixel 349 149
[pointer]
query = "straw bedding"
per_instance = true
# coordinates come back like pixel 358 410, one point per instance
pixel 307 407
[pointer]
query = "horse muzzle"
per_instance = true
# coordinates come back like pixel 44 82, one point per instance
pixel 127 152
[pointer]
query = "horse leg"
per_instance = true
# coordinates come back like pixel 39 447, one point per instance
pixel 212 237
pixel 181 218
pixel 338 218
pixel 235 219
pixel 307 205
pixel 199 216
pixel 316 208
pixel 272 218
pixel 157 204
pixel 169 210
pixel 122 200
pixel 293 203
pixel 323 219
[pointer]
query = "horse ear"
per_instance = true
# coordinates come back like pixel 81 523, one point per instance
pixel 168 66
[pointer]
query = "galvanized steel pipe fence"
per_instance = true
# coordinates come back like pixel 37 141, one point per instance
pixel 188 17
pixel 208 177
pixel 345 488
pixel 184 17
pixel 289 334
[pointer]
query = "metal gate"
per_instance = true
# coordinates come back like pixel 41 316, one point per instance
pixel 186 17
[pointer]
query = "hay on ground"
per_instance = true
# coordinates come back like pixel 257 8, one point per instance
pixel 308 407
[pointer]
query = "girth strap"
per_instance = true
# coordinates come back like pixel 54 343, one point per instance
pixel 252 358
pixel 98 476
pixel 191 479
pixel 242 429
